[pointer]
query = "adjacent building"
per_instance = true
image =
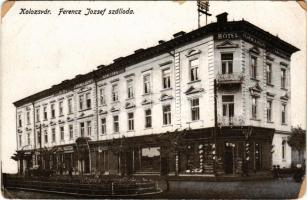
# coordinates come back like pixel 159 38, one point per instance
pixel 203 102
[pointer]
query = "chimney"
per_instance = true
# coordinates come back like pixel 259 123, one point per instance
pixel 222 18
pixel 161 41
pixel 181 33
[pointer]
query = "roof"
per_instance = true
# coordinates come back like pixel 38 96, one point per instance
pixel 180 39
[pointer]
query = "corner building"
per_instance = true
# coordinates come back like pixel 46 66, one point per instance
pixel 153 112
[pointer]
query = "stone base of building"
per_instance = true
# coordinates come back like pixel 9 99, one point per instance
pixel 207 152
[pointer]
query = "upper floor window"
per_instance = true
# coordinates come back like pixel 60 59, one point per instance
pixel 52 111
pixel 253 67
pixel 89 128
pixel 283 113
pixel 46 136
pixel 228 107
pixel 268 73
pixel 88 100
pixel 115 124
pixel 61 108
pixel 166 78
pixel 45 113
pixel 283 149
pixel 82 129
pixel 81 102
pixel 28 117
pixel 146 84
pixel 194 65
pixel 71 131
pixel 283 78
pixel 53 134
pixel 130 121
pixel 102 98
pixel 19 121
pixel 114 92
pixel 130 92
pixel 20 140
pixel 269 111
pixel 148 118
pixel 39 137
pixel 70 106
pixel 103 126
pixel 227 63
pixel 167 118
pixel 195 109
pixel 254 107
pixel 29 138
pixel 37 115
pixel 62 132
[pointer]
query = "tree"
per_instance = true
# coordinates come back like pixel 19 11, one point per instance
pixel 297 140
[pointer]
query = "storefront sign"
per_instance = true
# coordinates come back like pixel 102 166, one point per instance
pixel 68 149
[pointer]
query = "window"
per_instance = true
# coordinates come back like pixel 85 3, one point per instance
pixel 269 111
pixel 114 92
pixel 45 113
pixel 283 78
pixel 62 132
pixel 37 115
pixel 20 140
pixel 166 114
pixel 228 108
pixel 115 124
pixel 29 139
pixel 88 100
pixel 283 113
pixel 19 121
pixel 166 78
pixel 130 121
pixel 227 63
pixel 61 108
pixel 82 129
pixel 194 64
pixel 254 107
pixel 103 126
pixel 46 136
pixel 148 118
pixel 81 102
pixel 28 117
pixel 102 96
pixel 146 84
pixel 283 149
pixel 253 67
pixel 195 109
pixel 89 128
pixel 130 93
pixel 71 131
pixel 70 106
pixel 39 137
pixel 268 73
pixel 53 134
pixel 52 111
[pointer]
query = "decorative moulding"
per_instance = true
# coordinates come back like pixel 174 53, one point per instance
pixel 284 64
pixel 103 111
pixel 227 44
pixel 255 90
pixel 113 109
pixel 270 94
pixel 192 52
pixel 165 97
pixel 268 57
pixel 193 90
pixel 129 75
pixel 146 102
pixel 255 50
pixel 166 63
pixel 285 97
pixel 129 105
pixel 114 80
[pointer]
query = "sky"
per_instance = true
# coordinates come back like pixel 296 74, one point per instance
pixel 38 51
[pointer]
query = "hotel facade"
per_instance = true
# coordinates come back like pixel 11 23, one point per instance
pixel 203 102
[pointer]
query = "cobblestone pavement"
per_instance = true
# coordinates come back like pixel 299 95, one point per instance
pixel 284 188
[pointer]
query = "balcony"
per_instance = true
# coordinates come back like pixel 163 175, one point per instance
pixel 230 121
pixel 229 79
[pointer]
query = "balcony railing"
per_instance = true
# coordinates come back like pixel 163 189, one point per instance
pixel 230 121
pixel 234 78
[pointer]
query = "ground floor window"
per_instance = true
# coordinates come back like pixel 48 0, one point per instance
pixel 147 159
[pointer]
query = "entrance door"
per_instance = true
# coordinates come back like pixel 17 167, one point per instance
pixel 228 160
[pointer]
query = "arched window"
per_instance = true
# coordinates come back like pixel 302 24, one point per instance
pixel 283 149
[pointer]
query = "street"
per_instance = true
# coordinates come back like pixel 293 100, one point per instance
pixel 284 188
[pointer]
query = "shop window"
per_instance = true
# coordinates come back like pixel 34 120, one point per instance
pixel 148 118
pixel 227 63
pixel 166 78
pixel 147 159
pixel 130 121
pixel 195 109
pixel 167 119
pixel 194 65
